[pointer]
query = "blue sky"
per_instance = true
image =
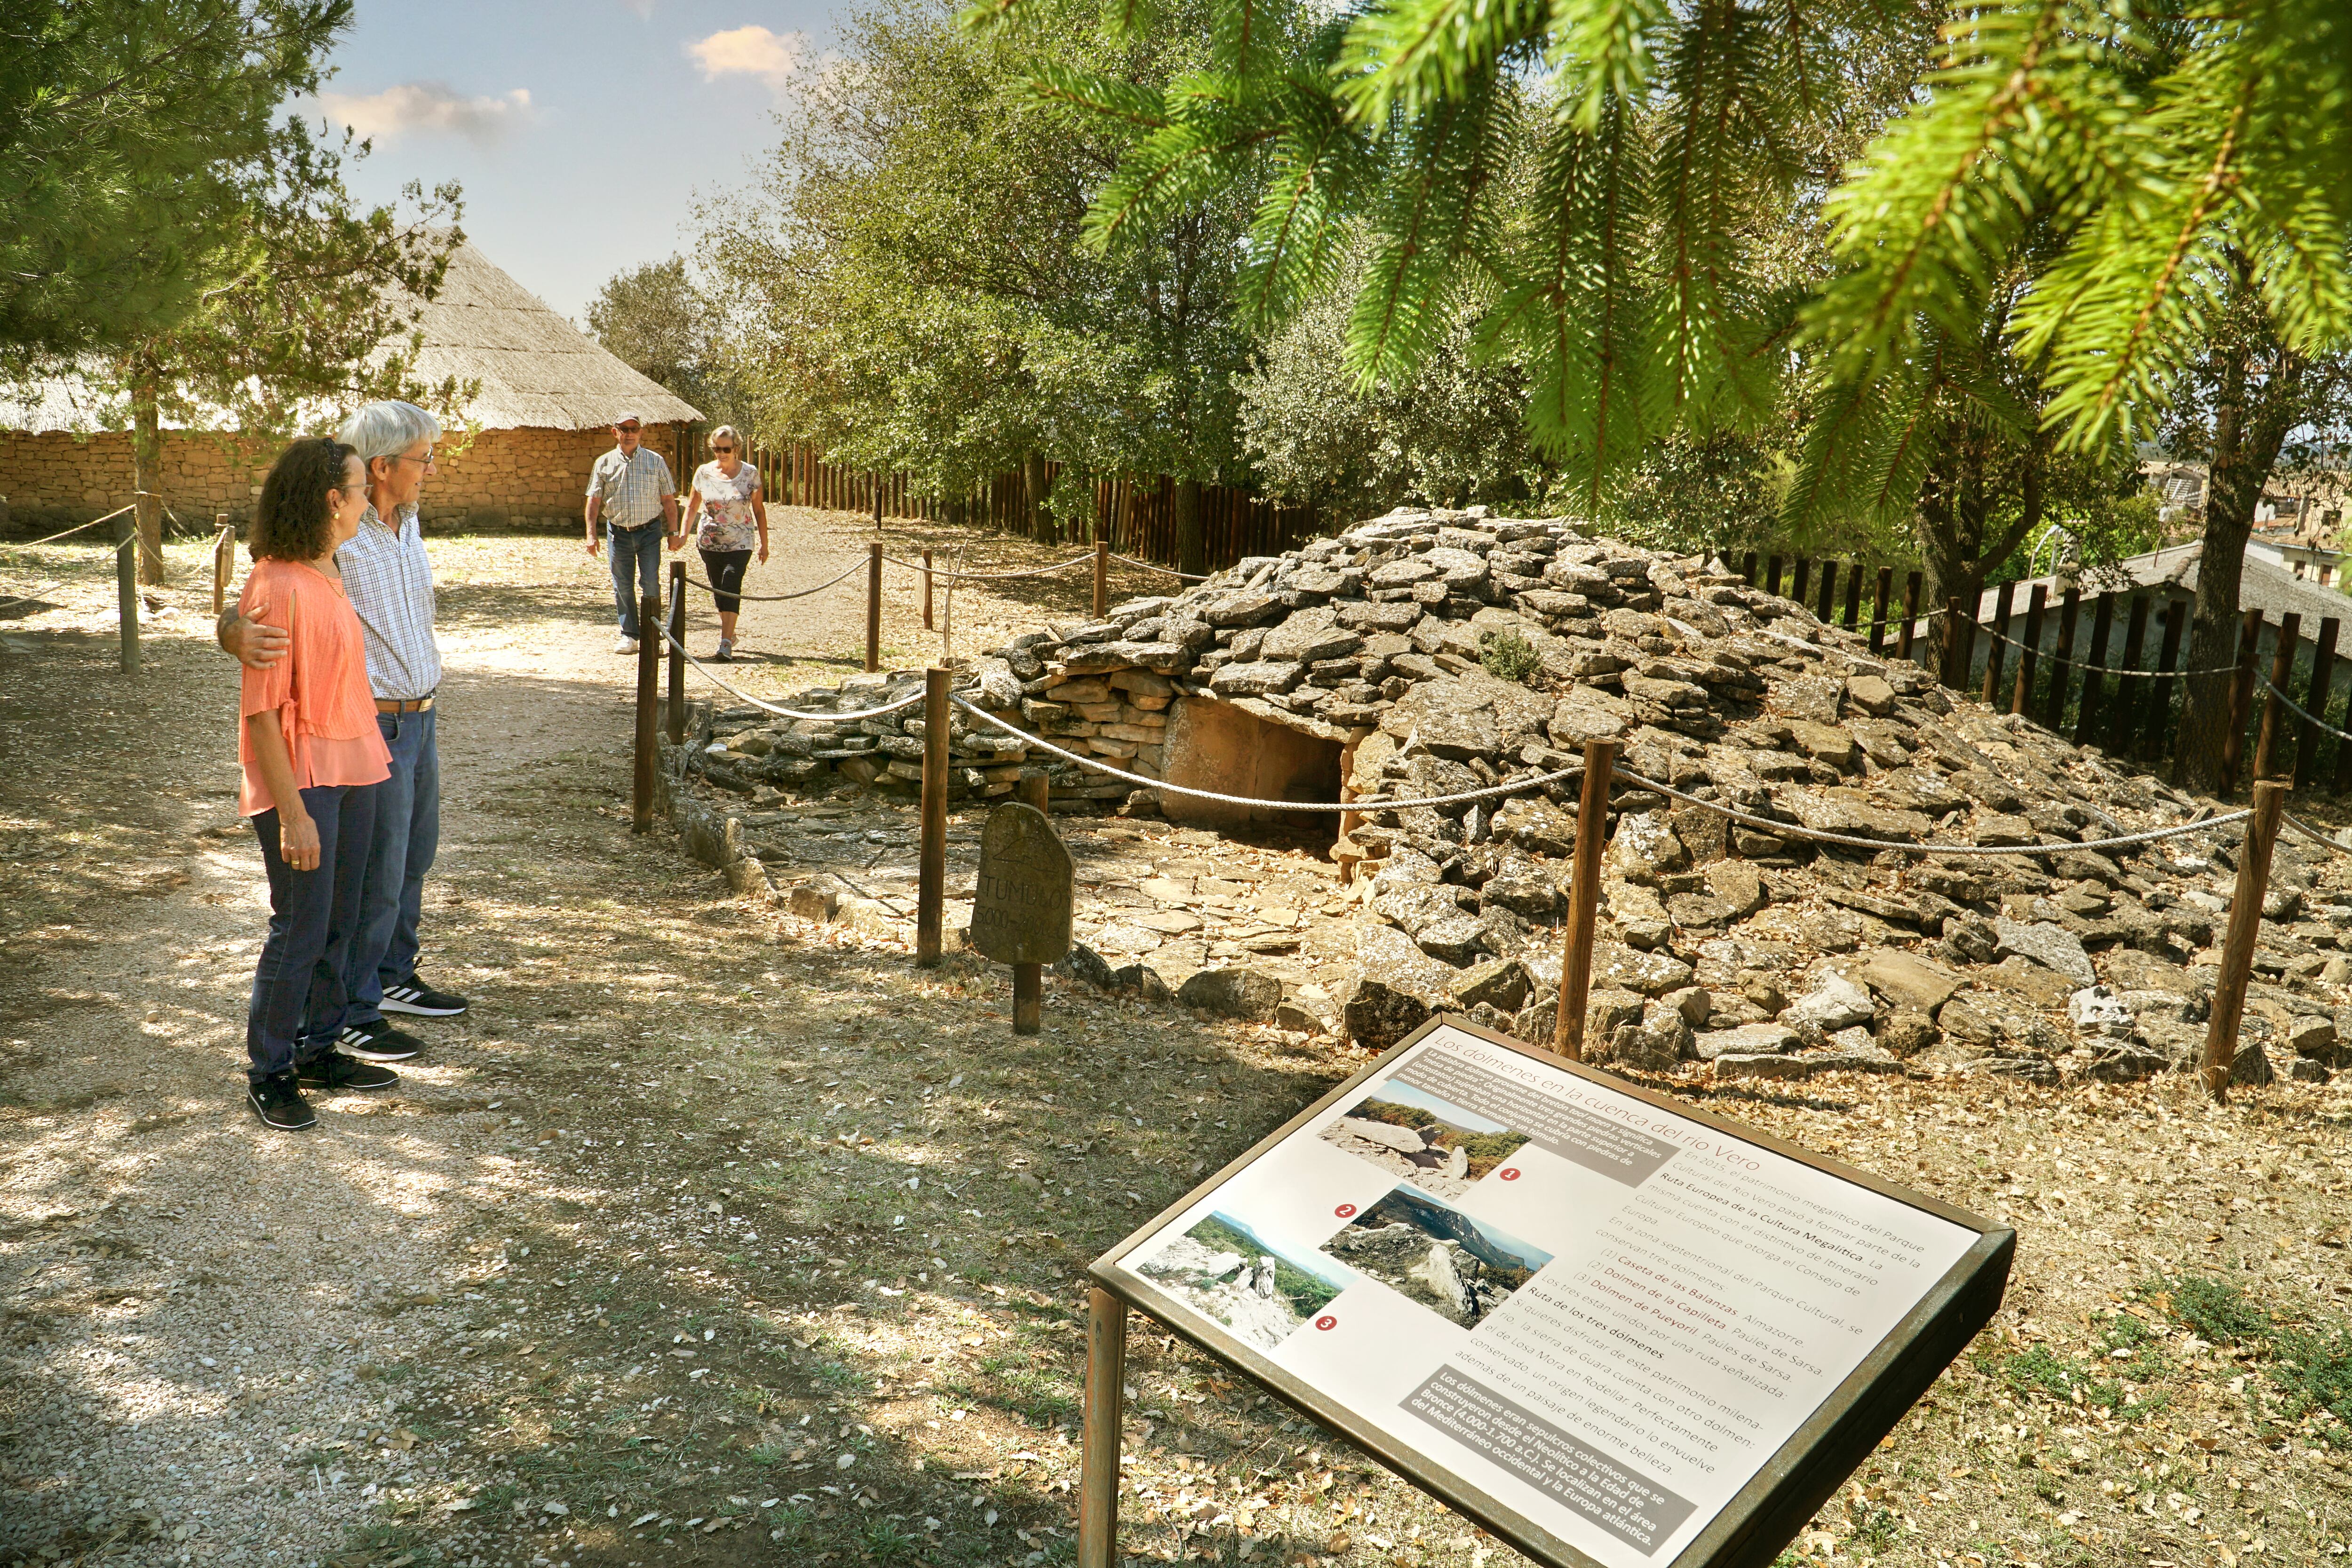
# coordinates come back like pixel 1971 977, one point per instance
pixel 582 131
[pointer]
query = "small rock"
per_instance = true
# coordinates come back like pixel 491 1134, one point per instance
pixel 1141 978
pixel 1500 981
pixel 1747 1039
pixel 2048 944
pixel 2095 1010
pixel 1691 1002
pixel 2251 1065
pixel 1243 994
pixel 1835 1004
pixel 1083 963
pixel 1906 1033
pixel 1733 1065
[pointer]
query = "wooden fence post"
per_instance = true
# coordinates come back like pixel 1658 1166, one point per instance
pixel 2021 700
pixel 1853 575
pixel 2168 659
pixel 2241 698
pixel 677 652
pixel 2314 702
pixel 2124 721
pixel 1995 654
pixel 1102 577
pixel 1879 595
pixel 926 591
pixel 1029 979
pixel 641 804
pixel 1771 573
pixel 1800 576
pixel 1748 568
pixel 2245 925
pixel 126 587
pixel 2290 641
pixel 873 606
pixel 1584 901
pixel 1910 614
pixel 2095 682
pixel 224 561
pixel 1100 1422
pixel 2070 611
pixel 1826 608
pixel 932 857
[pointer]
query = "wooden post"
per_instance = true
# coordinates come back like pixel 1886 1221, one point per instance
pixel 676 710
pixel 2124 721
pixel 2241 698
pixel 927 593
pixel 2314 702
pixel 2021 699
pixel 1798 577
pixel 1029 979
pixel 1910 614
pixel 1879 595
pixel 641 806
pixel 1826 606
pixel 126 588
pixel 2069 610
pixel 1994 655
pixel 1584 901
pixel 1771 573
pixel 1102 577
pixel 2168 659
pixel 932 862
pixel 1100 1423
pixel 873 607
pixel 2290 638
pixel 2245 925
pixel 2095 684
pixel 1748 568
pixel 224 561
pixel 1854 573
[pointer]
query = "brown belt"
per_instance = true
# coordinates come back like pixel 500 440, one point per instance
pixel 385 705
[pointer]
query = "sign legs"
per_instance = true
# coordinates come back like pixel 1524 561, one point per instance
pixel 1098 1435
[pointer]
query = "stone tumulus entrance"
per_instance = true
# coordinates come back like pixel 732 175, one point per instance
pixel 1219 745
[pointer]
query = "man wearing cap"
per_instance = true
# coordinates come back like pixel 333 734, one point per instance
pixel 630 491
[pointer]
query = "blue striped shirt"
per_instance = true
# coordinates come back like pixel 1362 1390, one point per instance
pixel 390 583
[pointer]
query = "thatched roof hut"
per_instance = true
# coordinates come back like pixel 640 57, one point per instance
pixel 547 394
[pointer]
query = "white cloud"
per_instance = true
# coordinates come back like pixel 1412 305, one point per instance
pixel 752 51
pixel 428 106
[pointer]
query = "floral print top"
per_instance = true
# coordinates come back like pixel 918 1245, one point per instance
pixel 726 522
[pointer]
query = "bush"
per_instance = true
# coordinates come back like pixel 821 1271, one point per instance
pixel 1508 656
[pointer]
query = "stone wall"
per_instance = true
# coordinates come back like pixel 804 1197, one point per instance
pixel 517 480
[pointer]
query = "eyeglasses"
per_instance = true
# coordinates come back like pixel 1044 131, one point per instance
pixel 717 448
pixel 426 461
pixel 626 429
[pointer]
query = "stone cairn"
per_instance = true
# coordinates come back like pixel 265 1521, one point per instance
pixel 1448 651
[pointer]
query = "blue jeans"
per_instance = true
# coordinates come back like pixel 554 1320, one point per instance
pixel 634 551
pixel 300 995
pixel 399 852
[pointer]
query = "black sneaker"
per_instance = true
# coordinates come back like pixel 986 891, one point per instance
pixel 413 996
pixel 335 1070
pixel 379 1042
pixel 279 1103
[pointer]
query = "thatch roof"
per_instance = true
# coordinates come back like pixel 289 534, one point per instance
pixel 537 370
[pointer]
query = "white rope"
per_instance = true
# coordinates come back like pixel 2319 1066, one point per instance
pixel 1366 803
pixel 2306 718
pixel 1155 566
pixel 785 712
pixel 2034 649
pixel 1795 830
pixel 77 527
pixel 938 572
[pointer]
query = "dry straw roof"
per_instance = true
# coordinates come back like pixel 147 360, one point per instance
pixel 537 370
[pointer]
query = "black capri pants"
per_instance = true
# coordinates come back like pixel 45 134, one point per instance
pixel 725 568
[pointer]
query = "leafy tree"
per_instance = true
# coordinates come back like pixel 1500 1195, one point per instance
pixel 910 284
pixel 657 320
pixel 134 133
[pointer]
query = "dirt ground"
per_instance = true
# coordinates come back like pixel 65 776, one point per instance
pixel 715 1236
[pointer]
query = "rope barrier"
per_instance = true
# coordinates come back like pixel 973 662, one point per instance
pixel 2314 833
pixel 938 572
pixel 2293 708
pixel 77 527
pixel 1797 830
pixel 1155 566
pixel 775 598
pixel 904 702
pixel 2096 668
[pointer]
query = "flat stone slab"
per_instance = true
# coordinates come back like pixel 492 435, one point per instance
pixel 2048 944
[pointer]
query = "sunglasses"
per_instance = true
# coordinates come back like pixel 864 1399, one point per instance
pixel 722 449
pixel 626 429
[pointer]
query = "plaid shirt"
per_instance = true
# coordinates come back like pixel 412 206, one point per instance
pixel 632 487
pixel 390 583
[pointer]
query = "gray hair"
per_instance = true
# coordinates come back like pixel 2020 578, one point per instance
pixel 386 429
pixel 727 431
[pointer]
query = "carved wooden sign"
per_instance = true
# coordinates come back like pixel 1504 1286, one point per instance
pixel 1021 907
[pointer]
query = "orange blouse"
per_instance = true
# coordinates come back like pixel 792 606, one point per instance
pixel 319 690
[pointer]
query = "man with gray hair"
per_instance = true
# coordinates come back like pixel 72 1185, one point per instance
pixel 389 582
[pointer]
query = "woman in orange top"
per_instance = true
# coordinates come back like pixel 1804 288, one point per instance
pixel 313 758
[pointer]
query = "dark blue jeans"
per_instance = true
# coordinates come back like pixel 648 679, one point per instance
pixel 636 568
pixel 399 852
pixel 298 992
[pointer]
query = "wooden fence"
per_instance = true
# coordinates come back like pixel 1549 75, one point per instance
pixel 2047 659
pixel 1136 515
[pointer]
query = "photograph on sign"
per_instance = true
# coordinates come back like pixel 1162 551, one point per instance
pixel 1583 1311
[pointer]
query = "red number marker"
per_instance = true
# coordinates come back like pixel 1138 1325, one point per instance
pixel 1510 1173
pixel 1327 1322
pixel 1346 1211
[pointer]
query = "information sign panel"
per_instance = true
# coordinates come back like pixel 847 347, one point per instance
pixel 1611 1329
pixel 1022 902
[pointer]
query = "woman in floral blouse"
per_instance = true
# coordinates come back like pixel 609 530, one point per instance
pixel 731 518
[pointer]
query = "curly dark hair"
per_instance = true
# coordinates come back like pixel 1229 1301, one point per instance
pixel 290 520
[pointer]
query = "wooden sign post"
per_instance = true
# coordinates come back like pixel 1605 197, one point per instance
pixel 1610 1329
pixel 1021 905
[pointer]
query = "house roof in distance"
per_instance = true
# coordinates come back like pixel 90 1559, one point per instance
pixel 2171 573
pixel 537 370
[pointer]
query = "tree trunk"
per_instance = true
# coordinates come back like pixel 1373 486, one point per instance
pixel 1033 485
pixel 1191 543
pixel 2252 417
pixel 147 474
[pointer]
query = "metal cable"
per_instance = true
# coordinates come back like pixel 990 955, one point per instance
pixel 785 712
pixel 772 598
pixel 1797 830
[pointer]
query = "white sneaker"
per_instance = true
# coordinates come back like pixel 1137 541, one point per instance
pixel 626 644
